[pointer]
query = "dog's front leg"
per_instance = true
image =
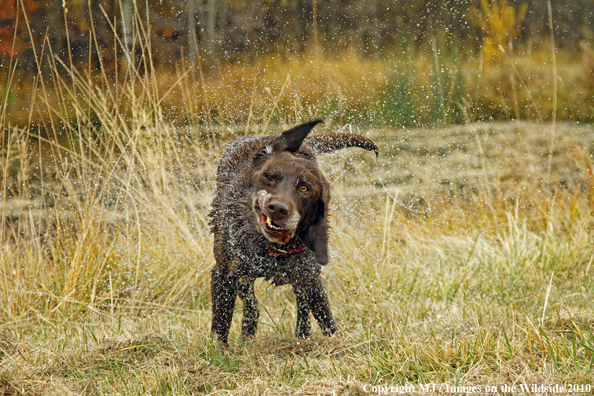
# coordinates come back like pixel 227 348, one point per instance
pixel 311 295
pixel 223 291
pixel 303 328
pixel 319 304
pixel 249 323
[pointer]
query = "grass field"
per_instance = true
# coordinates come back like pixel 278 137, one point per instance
pixel 462 256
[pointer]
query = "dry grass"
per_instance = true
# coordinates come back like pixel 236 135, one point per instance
pixel 448 245
pixel 434 84
pixel 455 258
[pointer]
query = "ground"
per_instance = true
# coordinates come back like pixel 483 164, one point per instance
pixel 461 257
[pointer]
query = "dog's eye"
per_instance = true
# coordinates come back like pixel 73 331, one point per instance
pixel 303 188
pixel 271 178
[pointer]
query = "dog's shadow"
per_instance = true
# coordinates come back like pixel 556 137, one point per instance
pixel 316 347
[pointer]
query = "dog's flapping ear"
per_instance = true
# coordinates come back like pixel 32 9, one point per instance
pixel 291 140
pixel 315 237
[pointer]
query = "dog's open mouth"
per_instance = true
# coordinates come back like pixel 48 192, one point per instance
pixel 274 232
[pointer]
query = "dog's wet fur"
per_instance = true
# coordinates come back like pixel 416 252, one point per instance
pixel 269 219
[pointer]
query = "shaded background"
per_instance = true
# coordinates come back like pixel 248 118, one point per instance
pixel 233 31
pixel 381 62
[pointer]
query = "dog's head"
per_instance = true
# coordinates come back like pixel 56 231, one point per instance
pixel 291 193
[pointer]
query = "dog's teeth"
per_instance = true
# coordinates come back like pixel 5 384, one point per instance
pixel 269 223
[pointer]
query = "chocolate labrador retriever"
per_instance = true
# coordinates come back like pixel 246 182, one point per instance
pixel 269 219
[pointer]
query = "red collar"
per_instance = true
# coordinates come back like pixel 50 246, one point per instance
pixel 288 249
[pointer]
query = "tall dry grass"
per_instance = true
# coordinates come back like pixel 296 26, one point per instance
pixel 439 82
pixel 456 258
pixel 94 199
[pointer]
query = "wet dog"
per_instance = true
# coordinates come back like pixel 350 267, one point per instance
pixel 269 219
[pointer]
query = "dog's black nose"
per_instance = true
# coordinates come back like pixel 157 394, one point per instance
pixel 278 209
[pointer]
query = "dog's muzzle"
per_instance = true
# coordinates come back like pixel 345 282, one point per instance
pixel 278 221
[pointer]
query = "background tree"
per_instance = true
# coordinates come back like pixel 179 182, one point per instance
pixel 230 30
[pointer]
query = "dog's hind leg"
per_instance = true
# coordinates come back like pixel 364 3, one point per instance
pixel 249 323
pixel 223 291
pixel 303 328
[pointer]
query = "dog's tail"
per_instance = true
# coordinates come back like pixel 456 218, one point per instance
pixel 327 142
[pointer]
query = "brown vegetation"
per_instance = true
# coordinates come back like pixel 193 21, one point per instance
pixel 467 256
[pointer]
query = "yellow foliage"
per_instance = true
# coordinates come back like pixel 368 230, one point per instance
pixel 499 23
